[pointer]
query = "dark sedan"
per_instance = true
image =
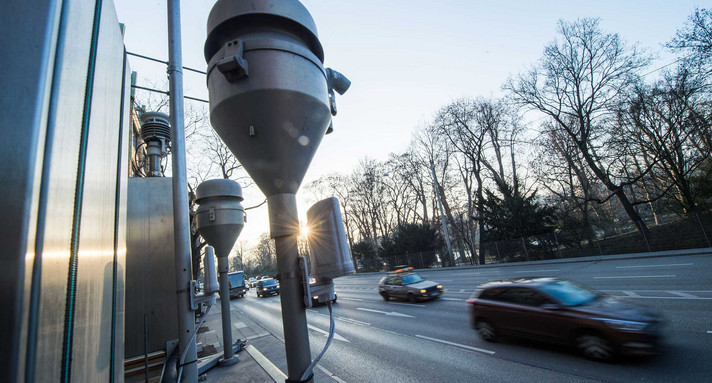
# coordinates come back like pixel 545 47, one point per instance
pixel 267 287
pixel 562 311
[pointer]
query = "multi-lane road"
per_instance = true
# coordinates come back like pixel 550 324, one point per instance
pixel 397 341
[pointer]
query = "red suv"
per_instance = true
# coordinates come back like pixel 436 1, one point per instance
pixel 563 311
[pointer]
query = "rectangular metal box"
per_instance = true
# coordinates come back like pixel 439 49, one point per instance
pixel 150 266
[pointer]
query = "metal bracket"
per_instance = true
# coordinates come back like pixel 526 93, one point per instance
pixel 195 299
pixel 235 67
pixel 323 289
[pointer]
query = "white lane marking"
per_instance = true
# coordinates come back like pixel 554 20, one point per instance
pixel 639 276
pixel 462 290
pixel 354 321
pixel 537 271
pixel 465 273
pixel 452 299
pixel 456 344
pixel 332 376
pixel 630 294
pixel 666 291
pixel 275 373
pixel 709 332
pixel 671 264
pixel 326 334
pixel 694 299
pixel 390 314
pixel 681 294
pixel 405 304
pixel 260 335
pixel 351 299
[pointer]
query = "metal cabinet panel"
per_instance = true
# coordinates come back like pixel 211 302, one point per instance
pixel 150 266
pixel 69 99
pixel 26 61
pixel 92 318
pixel 120 230
pixel 48 56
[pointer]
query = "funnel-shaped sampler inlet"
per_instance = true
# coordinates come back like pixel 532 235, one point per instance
pixel 220 216
pixel 268 89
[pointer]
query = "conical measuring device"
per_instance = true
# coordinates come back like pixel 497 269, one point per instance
pixel 271 102
pixel 269 97
pixel 220 216
pixel 219 220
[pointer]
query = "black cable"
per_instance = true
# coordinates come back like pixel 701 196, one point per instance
pixel 162 62
pixel 167 93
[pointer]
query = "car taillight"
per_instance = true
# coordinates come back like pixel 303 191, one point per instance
pixel 470 301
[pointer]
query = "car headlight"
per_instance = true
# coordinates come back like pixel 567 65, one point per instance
pixel 423 291
pixel 624 325
pixel 439 286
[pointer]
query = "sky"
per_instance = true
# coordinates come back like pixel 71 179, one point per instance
pixel 405 59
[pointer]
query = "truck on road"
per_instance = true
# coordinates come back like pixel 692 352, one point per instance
pixel 237 284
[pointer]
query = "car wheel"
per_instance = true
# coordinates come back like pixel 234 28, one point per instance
pixel 595 347
pixel 485 330
pixel 385 296
pixel 412 298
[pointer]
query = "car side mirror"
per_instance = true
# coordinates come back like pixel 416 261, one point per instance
pixel 550 306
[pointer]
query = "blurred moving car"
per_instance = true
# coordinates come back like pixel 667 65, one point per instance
pixel 315 300
pixel 251 282
pixel 562 311
pixel 237 284
pixel 404 283
pixel 266 287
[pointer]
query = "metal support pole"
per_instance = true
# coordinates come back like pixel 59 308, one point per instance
pixel 524 245
pixel 702 227
pixel 186 318
pixel 223 267
pixel 640 226
pixel 558 245
pixel 284 228
pixel 442 215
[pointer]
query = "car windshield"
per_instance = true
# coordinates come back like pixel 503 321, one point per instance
pixel 268 282
pixel 569 293
pixel 236 280
pixel 411 278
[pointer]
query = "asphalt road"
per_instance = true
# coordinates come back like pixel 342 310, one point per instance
pixel 432 341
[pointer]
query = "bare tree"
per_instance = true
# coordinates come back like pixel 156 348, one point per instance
pixel 399 181
pixel 670 125
pixel 578 84
pixel 368 192
pixel 694 40
pixel 452 132
pixel 564 174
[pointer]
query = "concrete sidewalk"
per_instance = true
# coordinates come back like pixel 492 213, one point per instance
pixel 264 358
pixel 252 367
